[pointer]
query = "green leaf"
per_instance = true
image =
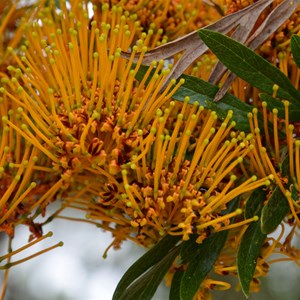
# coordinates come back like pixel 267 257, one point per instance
pixel 285 169
pixel 253 204
pixel 201 263
pixel 189 249
pixel 295 47
pixel 149 259
pixel 250 247
pixel 249 66
pixel 249 250
pixel 294 110
pixel 274 211
pixel 145 286
pixel 277 207
pixel 175 286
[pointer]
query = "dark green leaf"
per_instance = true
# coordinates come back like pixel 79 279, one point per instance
pixel 294 110
pixel 175 286
pixel 149 259
pixel 249 66
pixel 277 207
pixel 285 168
pixel 249 249
pixel 248 253
pixel 189 248
pixel 285 171
pixel 295 47
pixel 145 286
pixel 254 202
pixel 294 193
pixel 274 211
pixel 201 264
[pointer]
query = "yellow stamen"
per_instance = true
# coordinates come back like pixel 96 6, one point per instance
pixel 289 258
pixel 17 262
pixel 47 197
pixel 16 203
pixel 217 285
pixel 220 219
pixel 24 131
pixel 275 90
pixel 268 162
pixel 248 185
pixel 224 149
pixel 265 119
pixel 286 115
pixel 288 195
pixel 218 138
pixel 297 162
pixel 75 74
pixel 36 130
pixel 239 237
pixel 147 142
pixel 291 149
pixel 238 224
pixel 197 156
pixel 171 146
pixel 94 117
pixel 275 128
pixel 61 85
pixel 220 176
pixel 138 92
pixel 27 166
pixel 129 194
pixel 220 158
pixel 161 147
pixel 95 81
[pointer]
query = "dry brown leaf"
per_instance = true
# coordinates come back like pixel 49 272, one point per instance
pixel 194 46
pixel 240 24
pixel 274 20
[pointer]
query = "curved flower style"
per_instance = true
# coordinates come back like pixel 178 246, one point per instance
pixel 11 27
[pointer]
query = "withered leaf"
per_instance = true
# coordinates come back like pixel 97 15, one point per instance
pixel 239 24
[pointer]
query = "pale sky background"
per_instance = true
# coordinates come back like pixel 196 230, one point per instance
pixel 74 271
pixel 77 270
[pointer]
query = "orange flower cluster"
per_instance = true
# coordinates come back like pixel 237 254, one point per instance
pixel 173 18
pixel 78 127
